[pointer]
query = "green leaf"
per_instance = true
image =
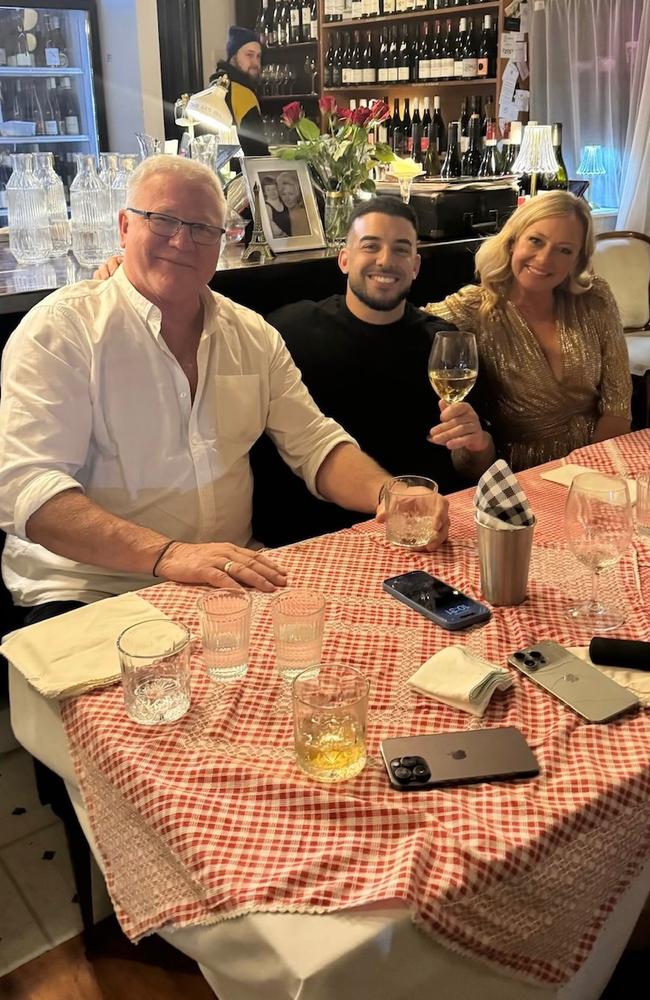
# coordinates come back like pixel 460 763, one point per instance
pixel 384 153
pixel 308 129
pixel 368 185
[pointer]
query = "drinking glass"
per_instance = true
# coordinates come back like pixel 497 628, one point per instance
pixel 643 503
pixel 410 503
pixel 453 364
pixel 298 621
pixel 330 707
pixel 225 617
pixel 599 526
pixel 155 665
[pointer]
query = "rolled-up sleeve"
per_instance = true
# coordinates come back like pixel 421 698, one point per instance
pixel 302 434
pixel 45 414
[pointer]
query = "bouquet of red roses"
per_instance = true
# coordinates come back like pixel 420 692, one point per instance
pixel 344 154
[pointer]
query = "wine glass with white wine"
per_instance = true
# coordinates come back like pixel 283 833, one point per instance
pixel 599 527
pixel 453 364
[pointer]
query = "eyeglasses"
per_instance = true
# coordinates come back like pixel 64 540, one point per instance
pixel 168 226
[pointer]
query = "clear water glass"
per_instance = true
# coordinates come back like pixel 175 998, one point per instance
pixel 410 503
pixel 29 227
pixel 155 665
pixel 90 210
pixel 225 617
pixel 57 209
pixel 330 709
pixel 298 617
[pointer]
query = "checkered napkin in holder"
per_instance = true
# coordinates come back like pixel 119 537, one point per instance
pixel 499 497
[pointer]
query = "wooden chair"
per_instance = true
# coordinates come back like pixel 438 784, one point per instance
pixel 622 258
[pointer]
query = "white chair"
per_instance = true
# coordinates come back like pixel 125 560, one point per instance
pixel 623 260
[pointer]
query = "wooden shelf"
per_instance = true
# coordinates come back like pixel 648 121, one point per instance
pixel 431 85
pixel 411 15
pixel 287 97
pixel 290 48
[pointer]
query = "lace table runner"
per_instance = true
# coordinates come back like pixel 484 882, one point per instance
pixel 210 818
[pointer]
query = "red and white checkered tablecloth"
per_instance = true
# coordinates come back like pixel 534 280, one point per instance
pixel 210 818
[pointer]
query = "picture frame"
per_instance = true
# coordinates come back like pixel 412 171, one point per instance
pixel 288 208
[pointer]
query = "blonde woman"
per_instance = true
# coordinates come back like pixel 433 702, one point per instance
pixel 549 335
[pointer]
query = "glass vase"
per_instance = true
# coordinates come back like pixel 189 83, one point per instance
pixel 338 209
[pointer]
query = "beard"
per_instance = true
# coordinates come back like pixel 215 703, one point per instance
pixel 376 302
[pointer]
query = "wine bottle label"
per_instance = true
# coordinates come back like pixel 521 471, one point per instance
pixel 51 128
pixel 23 59
pixel 383 133
pixel 11 60
pixel 424 69
pixel 71 125
pixel 306 14
pixel 449 67
pixel 403 74
pixel 345 76
pixel 425 143
pixel 313 28
pixel 470 68
pixel 482 67
pixel 295 18
pixel 357 76
pixel 368 75
pixel 52 57
pixel 464 143
pixel 383 74
pixel 458 68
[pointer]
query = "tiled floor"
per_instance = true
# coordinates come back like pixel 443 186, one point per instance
pixel 38 909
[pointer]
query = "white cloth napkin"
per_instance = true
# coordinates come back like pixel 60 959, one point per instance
pixel 76 652
pixel 457 678
pixel 565 474
pixel 636 681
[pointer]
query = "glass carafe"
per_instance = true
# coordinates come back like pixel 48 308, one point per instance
pixel 29 227
pixel 57 209
pixel 126 163
pixel 90 212
pixel 149 146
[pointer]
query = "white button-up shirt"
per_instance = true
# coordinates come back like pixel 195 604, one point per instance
pixel 92 397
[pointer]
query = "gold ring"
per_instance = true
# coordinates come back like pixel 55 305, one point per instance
pixel 229 565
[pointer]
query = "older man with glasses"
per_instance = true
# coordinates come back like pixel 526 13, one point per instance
pixel 128 410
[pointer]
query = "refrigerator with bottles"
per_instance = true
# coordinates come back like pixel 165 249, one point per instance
pixel 50 85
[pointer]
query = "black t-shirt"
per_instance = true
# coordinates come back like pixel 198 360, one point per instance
pixel 373 380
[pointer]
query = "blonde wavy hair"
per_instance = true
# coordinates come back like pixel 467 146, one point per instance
pixel 493 257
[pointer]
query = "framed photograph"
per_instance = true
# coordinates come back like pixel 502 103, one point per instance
pixel 288 208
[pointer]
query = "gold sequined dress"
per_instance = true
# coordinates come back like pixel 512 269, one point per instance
pixel 535 416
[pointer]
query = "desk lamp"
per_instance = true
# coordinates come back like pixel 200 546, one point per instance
pixel 536 155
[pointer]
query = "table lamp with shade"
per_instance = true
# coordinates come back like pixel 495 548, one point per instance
pixel 209 110
pixel 536 155
pixel 591 165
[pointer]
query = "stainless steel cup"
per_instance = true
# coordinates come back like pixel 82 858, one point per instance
pixel 504 556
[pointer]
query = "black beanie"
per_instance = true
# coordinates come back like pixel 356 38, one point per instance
pixel 238 37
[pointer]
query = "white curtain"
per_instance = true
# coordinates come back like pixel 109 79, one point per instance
pixel 590 70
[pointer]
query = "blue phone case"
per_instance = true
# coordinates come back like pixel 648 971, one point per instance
pixel 436 600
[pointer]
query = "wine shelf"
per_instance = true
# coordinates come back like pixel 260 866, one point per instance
pixel 292 47
pixel 44 71
pixel 287 97
pixel 411 15
pixel 13 140
pixel 404 87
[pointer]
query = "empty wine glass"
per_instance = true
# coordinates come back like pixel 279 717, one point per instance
pixel 599 526
pixel 453 364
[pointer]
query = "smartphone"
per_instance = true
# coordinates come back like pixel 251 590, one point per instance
pixel 415 763
pixel 436 600
pixel 578 684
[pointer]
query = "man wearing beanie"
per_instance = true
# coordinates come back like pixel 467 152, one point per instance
pixel 242 67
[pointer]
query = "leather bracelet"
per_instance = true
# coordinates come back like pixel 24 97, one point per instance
pixel 161 554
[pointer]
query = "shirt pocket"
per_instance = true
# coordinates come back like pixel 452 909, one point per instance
pixel 238 410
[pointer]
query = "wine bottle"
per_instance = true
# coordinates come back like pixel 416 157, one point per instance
pixel 69 108
pixel 398 138
pixel 328 64
pixel 559 181
pixel 463 123
pixel 346 61
pixel 435 55
pixel 393 56
pixel 431 160
pixel 337 61
pixel 295 32
pixel 470 53
pixel 357 64
pixel 404 57
pixel 383 131
pixel 426 117
pixel 488 116
pixel 487 51
pixel 382 61
pixel 406 117
pixel 449 43
pixel 56 50
pixel 305 21
pixel 369 70
pixel 424 55
pixel 490 164
pixel 471 160
pixel 415 142
pixel 261 25
pixel 451 167
pixel 459 48
pixel 52 112
pixel 439 129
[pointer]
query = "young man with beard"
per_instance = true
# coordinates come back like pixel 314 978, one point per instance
pixel 243 66
pixel 364 357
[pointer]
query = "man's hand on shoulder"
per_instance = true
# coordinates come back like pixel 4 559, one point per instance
pixel 220 564
pixel 108 268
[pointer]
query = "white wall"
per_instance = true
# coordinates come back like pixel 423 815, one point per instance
pixel 216 18
pixel 128 36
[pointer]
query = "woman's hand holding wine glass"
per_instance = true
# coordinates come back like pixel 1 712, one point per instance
pixel 453 369
pixel 599 527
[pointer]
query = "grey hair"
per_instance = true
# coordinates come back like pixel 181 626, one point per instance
pixel 173 166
